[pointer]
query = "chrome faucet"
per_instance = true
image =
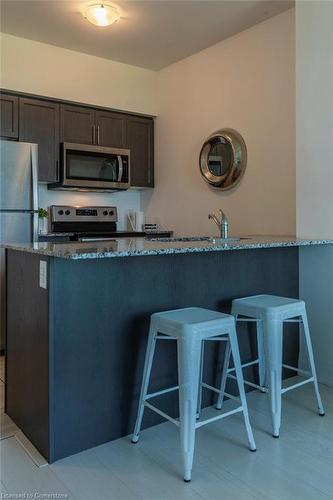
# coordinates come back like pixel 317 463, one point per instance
pixel 222 224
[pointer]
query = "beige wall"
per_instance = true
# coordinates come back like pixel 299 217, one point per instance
pixel 43 69
pixel 314 69
pixel 39 68
pixel 247 83
pixel 314 65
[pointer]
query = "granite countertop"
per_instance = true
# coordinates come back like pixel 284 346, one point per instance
pixel 131 247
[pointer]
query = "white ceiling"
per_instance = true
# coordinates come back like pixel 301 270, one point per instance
pixel 151 34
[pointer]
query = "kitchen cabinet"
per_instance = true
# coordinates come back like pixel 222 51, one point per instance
pixel 140 140
pixel 83 125
pixel 49 122
pixel 77 124
pixel 39 123
pixel 110 129
pixel 9 116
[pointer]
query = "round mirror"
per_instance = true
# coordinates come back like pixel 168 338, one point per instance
pixel 223 159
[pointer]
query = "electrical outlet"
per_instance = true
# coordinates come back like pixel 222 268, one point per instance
pixel 43 274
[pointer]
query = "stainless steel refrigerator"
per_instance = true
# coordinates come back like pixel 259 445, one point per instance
pixel 18 205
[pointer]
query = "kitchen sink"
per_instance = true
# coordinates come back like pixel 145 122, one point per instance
pixel 190 239
pixel 180 239
pixel 227 240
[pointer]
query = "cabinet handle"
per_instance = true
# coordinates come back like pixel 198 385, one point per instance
pixel 57 171
pixel 148 175
pixel 98 134
pixel 93 134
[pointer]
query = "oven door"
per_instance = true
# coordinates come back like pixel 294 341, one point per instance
pixel 95 167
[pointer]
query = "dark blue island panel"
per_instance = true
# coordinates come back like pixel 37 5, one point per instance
pixel 75 350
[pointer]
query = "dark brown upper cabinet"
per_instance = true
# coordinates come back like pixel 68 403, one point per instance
pixel 140 140
pixel 9 116
pixel 110 129
pixel 50 122
pixel 77 124
pixel 39 124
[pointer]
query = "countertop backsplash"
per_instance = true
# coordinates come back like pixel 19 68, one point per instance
pixel 124 201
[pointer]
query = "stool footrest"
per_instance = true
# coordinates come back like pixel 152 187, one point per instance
pixel 163 391
pixel 198 424
pixel 299 384
pixel 160 412
pixel 251 384
pixel 211 388
pixel 245 365
pixel 218 417
pixel 218 391
pixel 231 396
pixel 308 374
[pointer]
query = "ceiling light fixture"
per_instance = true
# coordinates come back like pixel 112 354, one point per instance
pixel 101 14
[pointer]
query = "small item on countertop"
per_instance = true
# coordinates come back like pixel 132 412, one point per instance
pixel 43 221
pixel 136 220
pixel 150 228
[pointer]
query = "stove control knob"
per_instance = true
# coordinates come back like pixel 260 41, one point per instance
pixel 67 212
pixel 111 212
pixel 105 212
pixel 60 212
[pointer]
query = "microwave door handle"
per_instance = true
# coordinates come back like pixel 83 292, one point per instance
pixel 120 173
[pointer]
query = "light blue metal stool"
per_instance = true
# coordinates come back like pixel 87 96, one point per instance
pixel 270 312
pixel 190 327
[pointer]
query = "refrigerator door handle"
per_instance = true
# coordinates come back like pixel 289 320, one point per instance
pixel 34 177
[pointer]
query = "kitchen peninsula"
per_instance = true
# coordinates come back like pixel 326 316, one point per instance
pixel 77 324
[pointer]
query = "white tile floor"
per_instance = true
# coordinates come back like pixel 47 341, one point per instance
pixel 298 466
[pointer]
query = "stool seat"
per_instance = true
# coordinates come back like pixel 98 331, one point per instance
pixel 268 306
pixel 196 320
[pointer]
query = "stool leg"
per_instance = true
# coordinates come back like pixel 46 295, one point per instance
pixel 261 354
pixel 226 362
pixel 145 381
pixel 312 363
pixel 189 353
pixel 200 379
pixel 240 382
pixel 274 333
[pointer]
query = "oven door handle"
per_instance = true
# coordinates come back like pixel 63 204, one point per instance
pixel 121 169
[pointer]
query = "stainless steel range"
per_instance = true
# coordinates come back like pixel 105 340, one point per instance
pixel 91 223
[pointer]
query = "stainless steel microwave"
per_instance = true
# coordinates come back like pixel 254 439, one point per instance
pixel 93 168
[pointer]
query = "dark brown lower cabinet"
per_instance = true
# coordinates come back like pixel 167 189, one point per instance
pixel 39 124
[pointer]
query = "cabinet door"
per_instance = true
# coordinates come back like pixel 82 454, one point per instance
pixel 9 116
pixel 140 140
pixel 77 124
pixel 39 123
pixel 111 129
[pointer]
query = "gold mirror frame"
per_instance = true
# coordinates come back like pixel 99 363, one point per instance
pixel 239 152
